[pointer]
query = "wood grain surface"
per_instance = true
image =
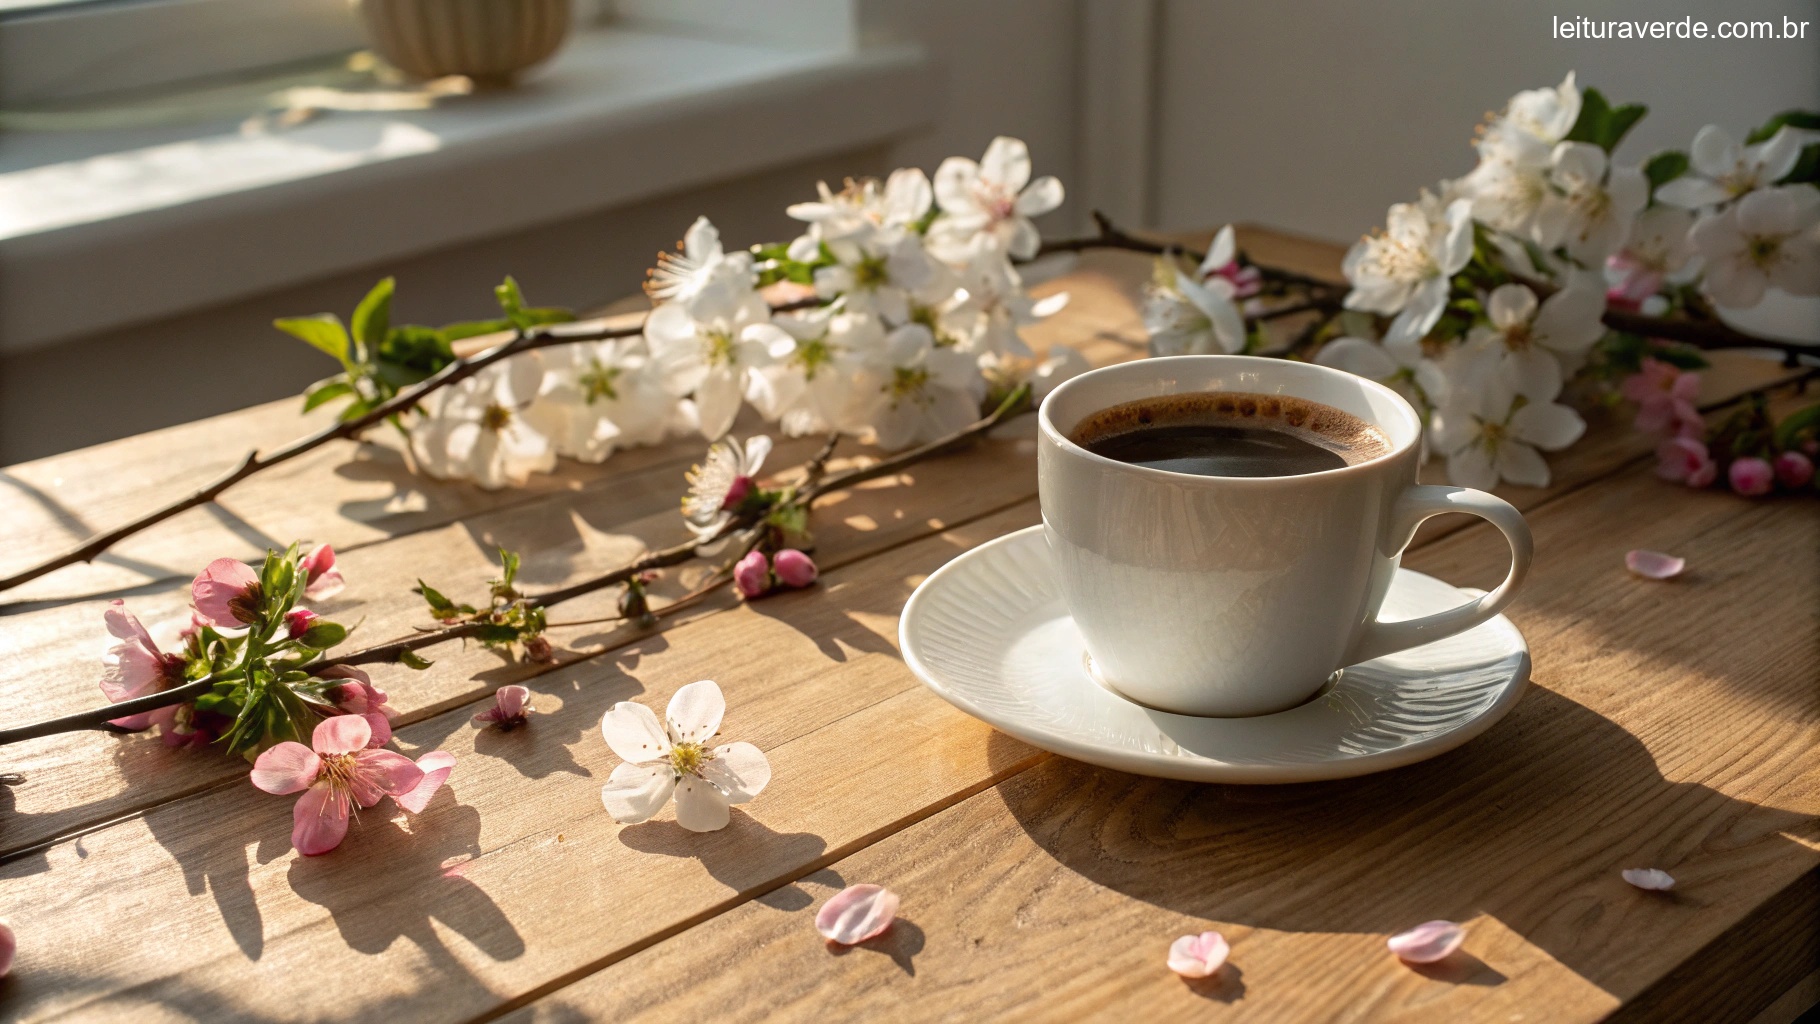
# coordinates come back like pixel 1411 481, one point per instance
pixel 1671 725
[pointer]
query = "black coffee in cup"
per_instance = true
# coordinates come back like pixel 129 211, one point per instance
pixel 1224 433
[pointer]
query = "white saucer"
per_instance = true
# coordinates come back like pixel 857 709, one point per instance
pixel 990 634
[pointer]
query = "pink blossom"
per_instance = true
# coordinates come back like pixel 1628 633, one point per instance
pixel 1428 942
pixel 752 575
pixel 857 913
pixel 8 945
pixel 436 766
pixel 1665 399
pixel 793 568
pixel 1198 956
pixel 736 492
pixel 358 696
pixel 510 706
pixel 297 622
pixel 135 666
pixel 1637 281
pixel 1794 470
pixel 226 593
pixel 182 725
pixel 336 771
pixel 1245 281
pixel 323 580
pixel 1751 476
pixel 1686 460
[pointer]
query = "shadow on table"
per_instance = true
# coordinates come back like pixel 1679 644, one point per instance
pixel 1484 829
pixel 740 856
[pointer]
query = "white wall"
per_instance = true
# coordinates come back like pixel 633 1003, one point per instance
pixel 1315 115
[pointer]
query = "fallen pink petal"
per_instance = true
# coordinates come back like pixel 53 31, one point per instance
pixel 857 913
pixel 1652 879
pixel 1427 942
pixel 1654 565
pixel 435 766
pixel 1198 956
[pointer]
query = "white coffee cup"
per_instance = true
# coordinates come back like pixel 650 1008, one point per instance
pixel 1235 596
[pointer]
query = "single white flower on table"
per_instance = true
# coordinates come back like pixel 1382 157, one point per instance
pixel 1592 205
pixel 1534 346
pixel 820 386
pixel 1405 368
pixel 1489 433
pixel 1723 170
pixel 882 271
pixel 601 396
pixel 921 392
pixel 990 203
pixel 680 276
pixel 475 429
pixel 861 208
pixel 1187 316
pixel 673 757
pixel 705 346
pixel 1406 270
pixel 722 481
pixel 1768 239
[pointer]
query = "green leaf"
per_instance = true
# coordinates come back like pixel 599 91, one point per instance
pixel 1593 112
pixel 323 330
pixel 419 348
pixel 1618 124
pixel 512 303
pixel 373 317
pixel 1807 167
pixel 354 410
pixel 510 298
pixel 1806 119
pixel 323 634
pixel 508 563
pixel 494 635
pixel 411 659
pixel 1664 167
pixel 1795 423
pixel 1682 357
pixel 472 329
pixel 326 391
pixel 440 606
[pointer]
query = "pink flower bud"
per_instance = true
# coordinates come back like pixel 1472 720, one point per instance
pixel 1751 476
pixel 297 622
pixel 793 568
pixel 1794 470
pixel 752 575
pixel 1687 460
pixel 737 491
pixel 321 579
pixel 538 649
pixel 226 593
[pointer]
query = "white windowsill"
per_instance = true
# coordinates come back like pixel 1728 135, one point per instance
pixel 619 116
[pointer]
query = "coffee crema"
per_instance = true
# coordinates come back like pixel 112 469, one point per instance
pixel 1230 433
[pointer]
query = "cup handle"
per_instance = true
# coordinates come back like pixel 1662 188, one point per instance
pixel 1412 509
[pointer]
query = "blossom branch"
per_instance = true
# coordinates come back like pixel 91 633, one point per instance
pixel 100 718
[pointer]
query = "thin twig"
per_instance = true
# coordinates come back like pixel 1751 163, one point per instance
pixel 99 718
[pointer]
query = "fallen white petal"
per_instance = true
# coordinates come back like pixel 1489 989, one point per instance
pixel 1428 942
pixel 1653 879
pixel 1197 956
pixel 857 913
pixel 1654 565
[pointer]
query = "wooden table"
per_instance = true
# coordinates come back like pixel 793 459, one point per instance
pixel 1671 725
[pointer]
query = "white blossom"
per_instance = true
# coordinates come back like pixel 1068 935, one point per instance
pixel 1592 206
pixel 1768 239
pixel 1185 316
pixel 721 482
pixel 990 306
pixel 1534 346
pixel 475 429
pixel 1489 433
pixel 921 392
pixel 861 208
pixel 1535 119
pixel 822 384
pixel 988 204
pixel 1404 367
pixel 672 757
pixel 601 396
pixel 707 345
pixel 1723 170
pixel 680 276
pixel 881 272
pixel 1406 270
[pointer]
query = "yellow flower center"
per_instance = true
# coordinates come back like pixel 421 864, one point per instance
pixel 812 355
pixel 496 417
pixel 720 348
pixel 598 380
pixel 687 758
pixel 906 381
pixel 870 272
pixel 337 770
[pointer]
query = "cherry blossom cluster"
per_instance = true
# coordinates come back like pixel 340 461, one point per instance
pixel 903 310
pixel 1484 300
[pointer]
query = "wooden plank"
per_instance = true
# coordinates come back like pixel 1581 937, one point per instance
pixel 1647 742
pixel 515 878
